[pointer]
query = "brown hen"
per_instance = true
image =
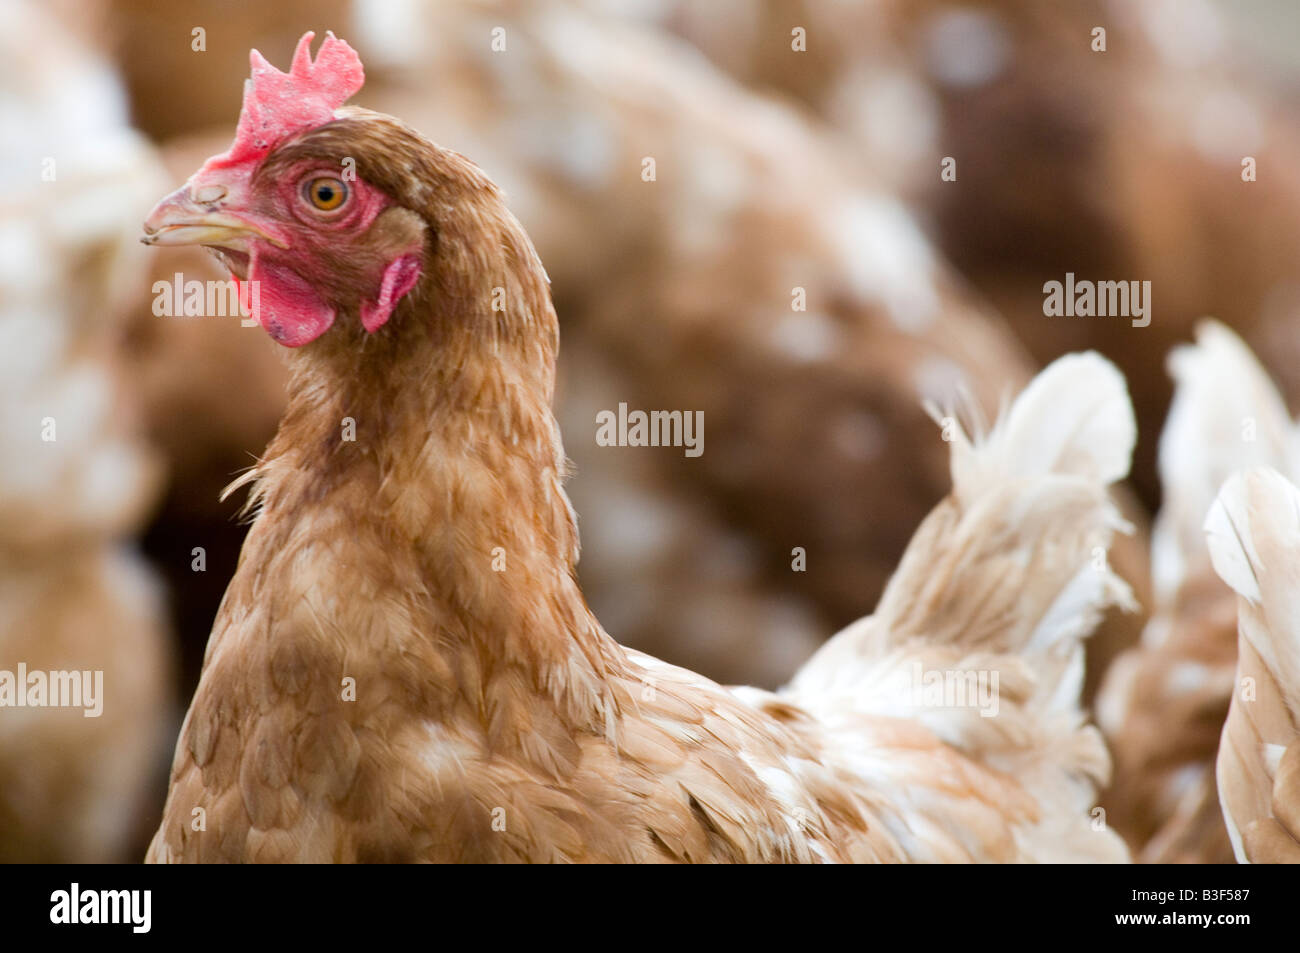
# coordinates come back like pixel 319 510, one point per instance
pixel 404 666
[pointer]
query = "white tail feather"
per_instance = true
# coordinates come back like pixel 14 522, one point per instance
pixel 1253 532
pixel 1074 418
pixel 1006 577
pixel 1014 560
pixel 1030 521
pixel 1226 416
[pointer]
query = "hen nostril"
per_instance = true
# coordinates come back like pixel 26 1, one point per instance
pixel 209 194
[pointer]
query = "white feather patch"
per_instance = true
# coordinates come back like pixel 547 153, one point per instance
pixel 1074 418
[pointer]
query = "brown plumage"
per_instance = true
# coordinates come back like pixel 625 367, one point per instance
pixel 1044 128
pixel 404 667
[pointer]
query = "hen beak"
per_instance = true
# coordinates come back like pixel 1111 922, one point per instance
pixel 180 220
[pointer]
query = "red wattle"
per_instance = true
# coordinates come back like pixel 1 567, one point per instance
pixel 285 304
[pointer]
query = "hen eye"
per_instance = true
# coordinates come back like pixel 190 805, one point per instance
pixel 326 193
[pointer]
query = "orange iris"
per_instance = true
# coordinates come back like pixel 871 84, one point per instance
pixel 326 193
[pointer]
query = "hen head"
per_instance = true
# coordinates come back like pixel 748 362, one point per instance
pixel 315 208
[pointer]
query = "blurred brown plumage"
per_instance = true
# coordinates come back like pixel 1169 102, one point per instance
pixel 76 480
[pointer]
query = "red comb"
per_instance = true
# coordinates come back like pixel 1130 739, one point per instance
pixel 278 105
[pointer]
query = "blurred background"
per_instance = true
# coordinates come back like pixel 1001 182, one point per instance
pixel 798 147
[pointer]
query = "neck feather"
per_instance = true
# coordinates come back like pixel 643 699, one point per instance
pixel 435 439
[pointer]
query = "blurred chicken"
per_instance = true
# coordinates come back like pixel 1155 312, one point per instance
pixel 1163 704
pixel 404 666
pixel 1117 164
pixel 1254 538
pixel 75 481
